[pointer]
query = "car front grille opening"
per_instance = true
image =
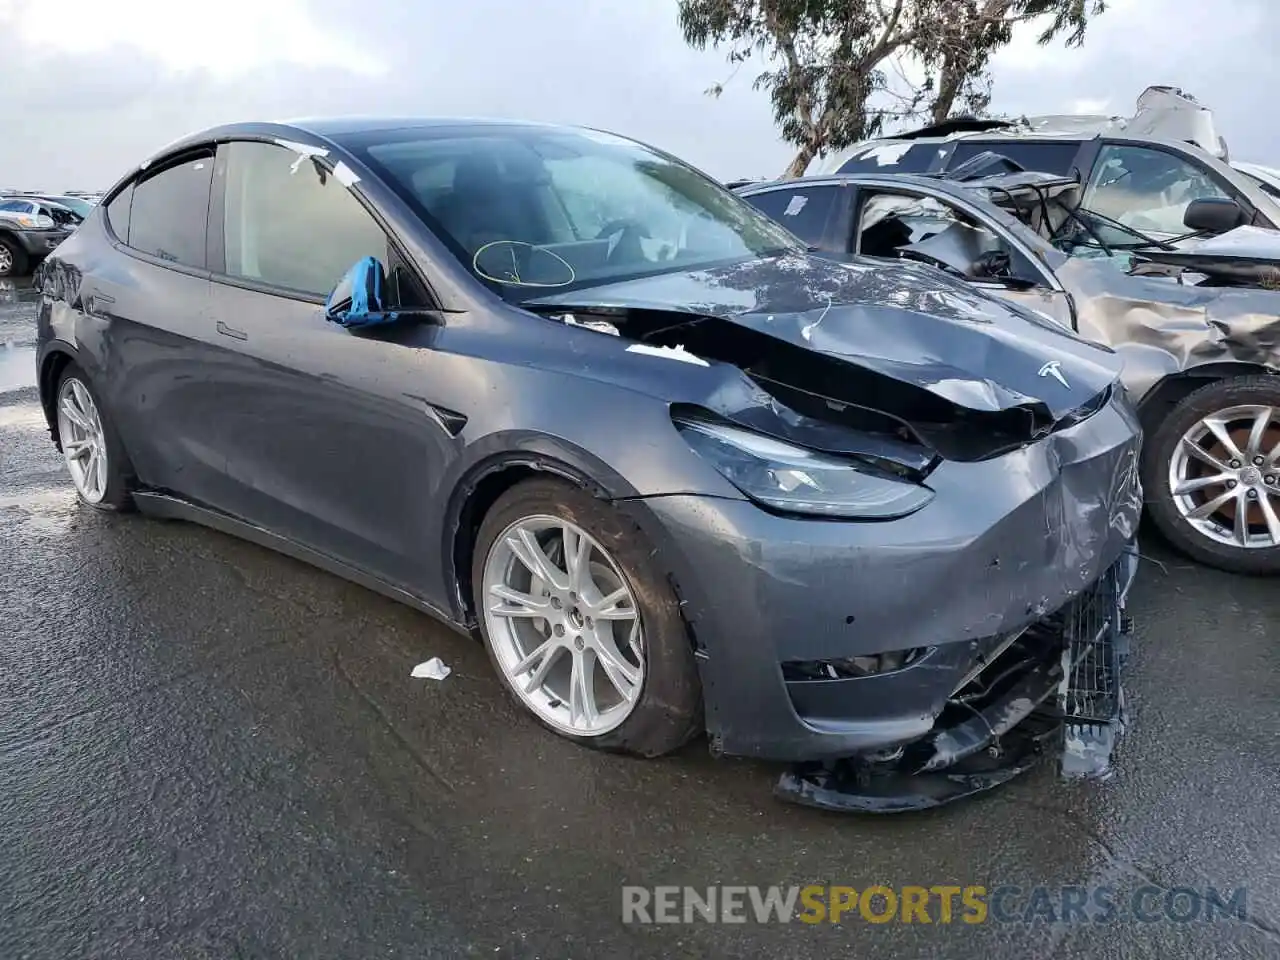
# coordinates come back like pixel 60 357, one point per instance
pixel 848 668
pixel 1091 656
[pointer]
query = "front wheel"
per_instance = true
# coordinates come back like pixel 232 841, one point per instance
pixel 581 623
pixel 13 259
pixel 1212 472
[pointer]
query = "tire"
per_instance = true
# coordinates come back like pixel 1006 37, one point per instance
pixel 667 709
pixel 13 259
pixel 119 478
pixel 1163 446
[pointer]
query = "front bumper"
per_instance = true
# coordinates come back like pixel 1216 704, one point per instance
pixel 1057 684
pixel 40 243
pixel 1006 543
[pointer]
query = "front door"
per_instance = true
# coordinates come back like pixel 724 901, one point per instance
pixel 329 436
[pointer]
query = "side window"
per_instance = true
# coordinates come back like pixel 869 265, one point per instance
pixel 290 223
pixel 894 156
pixel 15 206
pixel 804 211
pixel 1147 189
pixel 118 212
pixel 1056 157
pixel 170 210
pixel 914 227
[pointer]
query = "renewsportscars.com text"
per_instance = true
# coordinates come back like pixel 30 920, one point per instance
pixel 940 904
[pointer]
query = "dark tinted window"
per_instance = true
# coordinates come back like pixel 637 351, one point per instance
pixel 291 223
pixel 804 211
pixel 170 210
pixel 894 156
pixel 1054 157
pixel 118 212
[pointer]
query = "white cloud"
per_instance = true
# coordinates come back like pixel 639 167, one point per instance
pixel 90 87
pixel 228 38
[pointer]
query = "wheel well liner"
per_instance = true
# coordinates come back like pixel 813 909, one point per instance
pixel 478 493
pixel 1176 387
pixel 51 367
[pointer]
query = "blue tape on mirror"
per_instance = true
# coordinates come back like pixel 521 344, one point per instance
pixel 357 300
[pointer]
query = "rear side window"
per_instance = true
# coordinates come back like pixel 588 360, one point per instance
pixel 895 156
pixel 170 210
pixel 118 212
pixel 805 211
pixel 16 206
pixel 290 223
pixel 1056 157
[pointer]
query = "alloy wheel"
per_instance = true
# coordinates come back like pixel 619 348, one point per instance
pixel 84 444
pixel 563 625
pixel 6 260
pixel 1224 476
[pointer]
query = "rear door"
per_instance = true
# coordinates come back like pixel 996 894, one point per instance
pixel 150 303
pixel 322 441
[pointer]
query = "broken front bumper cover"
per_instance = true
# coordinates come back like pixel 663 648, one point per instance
pixel 1056 683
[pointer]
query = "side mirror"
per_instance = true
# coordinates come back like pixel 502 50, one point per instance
pixel 1213 215
pixel 357 300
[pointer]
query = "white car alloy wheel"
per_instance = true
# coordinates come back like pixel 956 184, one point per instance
pixel 1225 477
pixel 563 625
pixel 84 443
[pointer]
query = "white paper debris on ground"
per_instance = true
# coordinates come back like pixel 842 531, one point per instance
pixel 433 669
pixel 670 353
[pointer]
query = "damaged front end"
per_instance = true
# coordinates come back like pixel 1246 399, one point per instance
pixel 906 655
pixel 1053 686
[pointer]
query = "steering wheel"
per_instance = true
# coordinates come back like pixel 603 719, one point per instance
pixel 628 246
pixel 933 262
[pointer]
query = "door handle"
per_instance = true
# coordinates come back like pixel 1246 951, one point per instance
pixel 231 332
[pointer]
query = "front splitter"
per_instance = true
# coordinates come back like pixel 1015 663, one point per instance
pixel 856 786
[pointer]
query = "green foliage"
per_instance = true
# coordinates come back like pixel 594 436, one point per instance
pixel 825 61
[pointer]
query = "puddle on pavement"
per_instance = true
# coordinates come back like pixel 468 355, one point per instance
pixel 17 292
pixel 17 367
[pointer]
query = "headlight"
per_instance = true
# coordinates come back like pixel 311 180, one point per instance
pixel 796 480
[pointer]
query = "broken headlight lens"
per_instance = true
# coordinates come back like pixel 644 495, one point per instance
pixel 795 480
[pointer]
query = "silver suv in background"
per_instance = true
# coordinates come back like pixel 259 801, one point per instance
pixel 30 229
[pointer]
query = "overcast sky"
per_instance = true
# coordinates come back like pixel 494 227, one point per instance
pixel 89 87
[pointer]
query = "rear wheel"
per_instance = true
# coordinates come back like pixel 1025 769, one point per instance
pixel 91 449
pixel 581 625
pixel 1212 472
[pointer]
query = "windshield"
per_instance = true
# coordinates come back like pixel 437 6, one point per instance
pixel 527 209
pixel 81 207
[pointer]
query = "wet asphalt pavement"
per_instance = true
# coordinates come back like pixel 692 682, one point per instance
pixel 208 750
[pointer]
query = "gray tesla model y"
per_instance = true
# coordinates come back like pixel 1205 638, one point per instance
pixel 559 389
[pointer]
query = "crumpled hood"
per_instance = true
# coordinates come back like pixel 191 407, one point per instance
pixel 906 321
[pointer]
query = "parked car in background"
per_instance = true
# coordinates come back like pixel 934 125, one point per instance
pixel 30 229
pixel 1141 171
pixel 1196 322
pixel 559 388
pixel 81 206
